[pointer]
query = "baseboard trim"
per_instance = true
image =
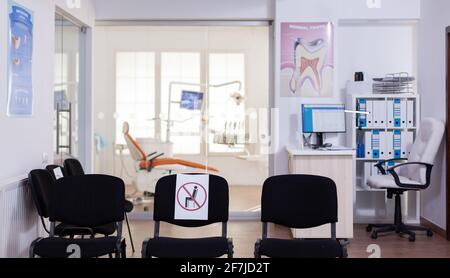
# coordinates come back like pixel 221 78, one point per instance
pixel 438 230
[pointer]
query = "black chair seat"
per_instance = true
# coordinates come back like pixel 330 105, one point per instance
pixel 128 206
pixel 213 247
pixel 314 248
pixel 68 230
pixel 56 247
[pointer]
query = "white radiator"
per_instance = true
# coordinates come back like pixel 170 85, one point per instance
pixel 19 222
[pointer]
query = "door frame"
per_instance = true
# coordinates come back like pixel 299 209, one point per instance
pixel 447 133
pixel 85 113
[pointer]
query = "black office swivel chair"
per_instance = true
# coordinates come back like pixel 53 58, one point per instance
pixel 73 167
pixel 300 202
pixel 40 183
pixel 164 210
pixel 71 202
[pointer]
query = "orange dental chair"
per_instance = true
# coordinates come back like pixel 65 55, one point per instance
pixel 153 166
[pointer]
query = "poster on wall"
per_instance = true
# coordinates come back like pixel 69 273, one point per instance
pixel 307 59
pixel 20 60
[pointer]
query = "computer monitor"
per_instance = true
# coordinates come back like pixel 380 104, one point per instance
pixel 191 100
pixel 323 118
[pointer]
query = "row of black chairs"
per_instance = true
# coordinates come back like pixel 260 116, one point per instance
pixel 86 206
pixel 294 201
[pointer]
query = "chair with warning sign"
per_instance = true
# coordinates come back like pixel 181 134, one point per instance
pixel 169 197
pixel 299 202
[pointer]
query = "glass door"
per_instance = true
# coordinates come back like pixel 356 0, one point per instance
pixel 67 88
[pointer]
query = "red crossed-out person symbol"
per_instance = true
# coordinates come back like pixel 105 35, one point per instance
pixel 192 196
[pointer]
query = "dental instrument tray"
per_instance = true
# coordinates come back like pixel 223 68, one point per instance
pixel 394 83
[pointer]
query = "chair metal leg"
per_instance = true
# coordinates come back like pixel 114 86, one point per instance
pixel 124 249
pixel 230 249
pixel 129 232
pixel 256 253
pixel 144 249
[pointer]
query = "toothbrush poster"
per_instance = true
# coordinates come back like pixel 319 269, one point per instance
pixel 307 59
pixel 20 61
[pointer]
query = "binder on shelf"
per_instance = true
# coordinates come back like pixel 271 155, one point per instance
pixel 379 114
pixel 369 117
pixel 396 112
pixel 387 145
pixel 403 113
pixel 407 142
pixel 368 144
pixel 410 114
pixel 362 118
pixel 397 144
pixel 375 143
pixel 390 114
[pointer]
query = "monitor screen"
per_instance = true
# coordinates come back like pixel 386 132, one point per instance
pixel 191 100
pixel 323 118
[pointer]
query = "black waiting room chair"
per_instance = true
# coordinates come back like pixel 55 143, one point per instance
pixel 299 202
pixel 164 211
pixel 73 167
pixel 84 202
pixel 40 183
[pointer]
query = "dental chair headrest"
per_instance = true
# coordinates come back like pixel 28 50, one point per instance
pixel 126 128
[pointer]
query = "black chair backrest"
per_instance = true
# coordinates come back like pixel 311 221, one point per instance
pixel 164 208
pixel 41 183
pixel 51 169
pixel 73 167
pixel 299 201
pixel 87 201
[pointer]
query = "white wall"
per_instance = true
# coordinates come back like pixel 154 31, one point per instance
pixel 323 10
pixel 183 9
pixel 25 141
pixel 432 67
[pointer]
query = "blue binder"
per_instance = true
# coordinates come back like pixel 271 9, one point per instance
pixel 362 118
pixel 397 144
pixel 376 141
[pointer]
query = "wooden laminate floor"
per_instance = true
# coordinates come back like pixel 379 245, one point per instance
pixel 245 234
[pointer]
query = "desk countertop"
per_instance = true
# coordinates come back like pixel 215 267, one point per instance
pixel 311 152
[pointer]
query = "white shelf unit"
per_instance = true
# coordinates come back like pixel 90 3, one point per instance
pixel 371 206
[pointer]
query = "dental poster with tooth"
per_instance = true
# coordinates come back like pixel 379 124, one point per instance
pixel 307 59
pixel 20 57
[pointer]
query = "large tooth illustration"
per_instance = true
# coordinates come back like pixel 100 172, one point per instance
pixel 310 60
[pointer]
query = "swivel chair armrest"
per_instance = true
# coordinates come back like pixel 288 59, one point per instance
pixel 429 168
pixel 380 164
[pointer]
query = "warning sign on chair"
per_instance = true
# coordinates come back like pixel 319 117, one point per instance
pixel 192 197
